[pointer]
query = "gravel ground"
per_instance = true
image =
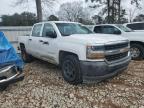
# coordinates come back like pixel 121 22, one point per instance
pixel 44 87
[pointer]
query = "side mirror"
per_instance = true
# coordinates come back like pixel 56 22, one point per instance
pixel 51 34
pixel 117 32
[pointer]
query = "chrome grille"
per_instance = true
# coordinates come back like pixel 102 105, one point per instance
pixel 116 46
pixel 116 56
pixel 118 51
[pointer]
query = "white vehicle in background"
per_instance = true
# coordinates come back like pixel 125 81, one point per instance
pixel 136 38
pixel 81 54
pixel 136 26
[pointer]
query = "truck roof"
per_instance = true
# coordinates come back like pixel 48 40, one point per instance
pixel 133 22
pixel 56 22
pixel 106 24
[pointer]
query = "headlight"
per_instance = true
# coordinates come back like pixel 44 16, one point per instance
pixel 95 52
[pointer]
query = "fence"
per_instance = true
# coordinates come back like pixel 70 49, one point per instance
pixel 13 32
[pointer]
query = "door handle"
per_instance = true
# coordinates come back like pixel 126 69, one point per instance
pixel 46 43
pixel 40 40
pixel 30 39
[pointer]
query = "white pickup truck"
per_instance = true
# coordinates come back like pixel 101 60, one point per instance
pixel 82 55
pixel 136 38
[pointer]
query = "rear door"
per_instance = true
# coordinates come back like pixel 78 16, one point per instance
pixel 48 45
pixel 33 41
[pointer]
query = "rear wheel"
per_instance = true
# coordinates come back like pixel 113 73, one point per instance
pixel 71 70
pixel 25 56
pixel 137 51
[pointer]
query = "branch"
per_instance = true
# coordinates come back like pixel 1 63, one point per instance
pixel 20 2
pixel 137 3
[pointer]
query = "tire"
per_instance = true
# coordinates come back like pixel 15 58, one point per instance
pixel 25 56
pixel 137 51
pixel 71 70
pixel 2 88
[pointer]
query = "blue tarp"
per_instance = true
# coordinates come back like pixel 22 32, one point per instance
pixel 8 54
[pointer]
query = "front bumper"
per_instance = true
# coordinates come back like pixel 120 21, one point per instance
pixel 101 70
pixel 10 74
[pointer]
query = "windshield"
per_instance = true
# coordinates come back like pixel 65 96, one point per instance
pixel 125 29
pixel 67 29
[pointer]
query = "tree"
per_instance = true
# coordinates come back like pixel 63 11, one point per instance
pixel 136 2
pixel 139 18
pixel 73 12
pixel 39 9
pixel 112 9
pixel 131 12
pixel 53 18
pixel 39 4
pixel 97 19
pixel 23 19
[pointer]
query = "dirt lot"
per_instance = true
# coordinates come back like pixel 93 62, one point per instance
pixel 44 87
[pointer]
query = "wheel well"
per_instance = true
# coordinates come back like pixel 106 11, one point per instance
pixel 22 46
pixel 62 54
pixel 137 42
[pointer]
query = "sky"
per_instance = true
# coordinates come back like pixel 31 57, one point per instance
pixel 7 7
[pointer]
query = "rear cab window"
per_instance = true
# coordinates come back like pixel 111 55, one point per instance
pixel 37 30
pixel 136 26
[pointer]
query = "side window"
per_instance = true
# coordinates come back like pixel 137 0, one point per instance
pixel 36 30
pixel 133 26
pixel 110 30
pixel 98 29
pixel 142 24
pixel 130 26
pixel 136 26
pixel 48 31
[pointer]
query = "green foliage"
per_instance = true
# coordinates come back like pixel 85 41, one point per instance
pixel 40 5
pixel 85 22
pixel 139 18
pixel 53 18
pixel 23 19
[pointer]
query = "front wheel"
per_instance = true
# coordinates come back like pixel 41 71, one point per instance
pixel 137 51
pixel 2 88
pixel 71 70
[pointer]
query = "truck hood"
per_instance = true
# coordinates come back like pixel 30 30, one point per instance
pixel 95 38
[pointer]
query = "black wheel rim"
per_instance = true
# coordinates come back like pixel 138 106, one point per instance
pixel 69 70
